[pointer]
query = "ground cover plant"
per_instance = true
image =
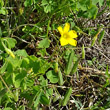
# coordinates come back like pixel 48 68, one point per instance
pixel 54 54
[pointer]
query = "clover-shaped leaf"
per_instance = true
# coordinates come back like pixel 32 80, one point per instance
pixel 52 76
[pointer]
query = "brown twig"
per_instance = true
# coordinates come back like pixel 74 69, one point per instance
pixel 94 71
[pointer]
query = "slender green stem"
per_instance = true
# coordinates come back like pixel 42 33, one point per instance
pixel 48 25
pixel 6 86
pixel 34 25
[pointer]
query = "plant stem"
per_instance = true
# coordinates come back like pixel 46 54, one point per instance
pixel 6 86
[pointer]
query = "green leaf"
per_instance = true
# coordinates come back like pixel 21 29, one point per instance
pixel 95 37
pixel 0 32
pixel 44 2
pixel 3 11
pixel 41 78
pixel 101 2
pixel 101 37
pixel 60 76
pixel 42 52
pixel 2 92
pixel 43 82
pixel 16 62
pixel 21 53
pixel 37 101
pixel 49 92
pixel 39 65
pixel 74 69
pixel 81 6
pixel 69 64
pixel 18 78
pixel 28 3
pixel 21 75
pixel 32 58
pixel 10 68
pixel 1 3
pixel 17 83
pixel 36 66
pixel 45 43
pixel 107 73
pixel 11 42
pixel 16 94
pixel 57 96
pixel 1 85
pixel 28 82
pixel 25 63
pixel 67 53
pixel 22 107
pixel 44 100
pixel 52 76
pixel 92 12
pixel 56 66
pixel 67 97
pixel 4 67
pixel 36 88
pixel 94 2
pixel 108 3
pixel 1 46
pixel 47 5
pixel 83 52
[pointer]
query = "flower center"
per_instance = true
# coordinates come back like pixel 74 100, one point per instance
pixel 65 35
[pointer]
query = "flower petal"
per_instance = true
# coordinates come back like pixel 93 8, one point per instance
pixel 66 28
pixel 73 34
pixel 72 42
pixel 63 41
pixel 60 30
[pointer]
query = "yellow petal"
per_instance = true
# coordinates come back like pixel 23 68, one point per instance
pixel 72 34
pixel 72 42
pixel 66 28
pixel 60 30
pixel 63 41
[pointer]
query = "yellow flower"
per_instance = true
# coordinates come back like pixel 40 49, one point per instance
pixel 67 36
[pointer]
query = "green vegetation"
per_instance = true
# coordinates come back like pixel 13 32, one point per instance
pixel 39 70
